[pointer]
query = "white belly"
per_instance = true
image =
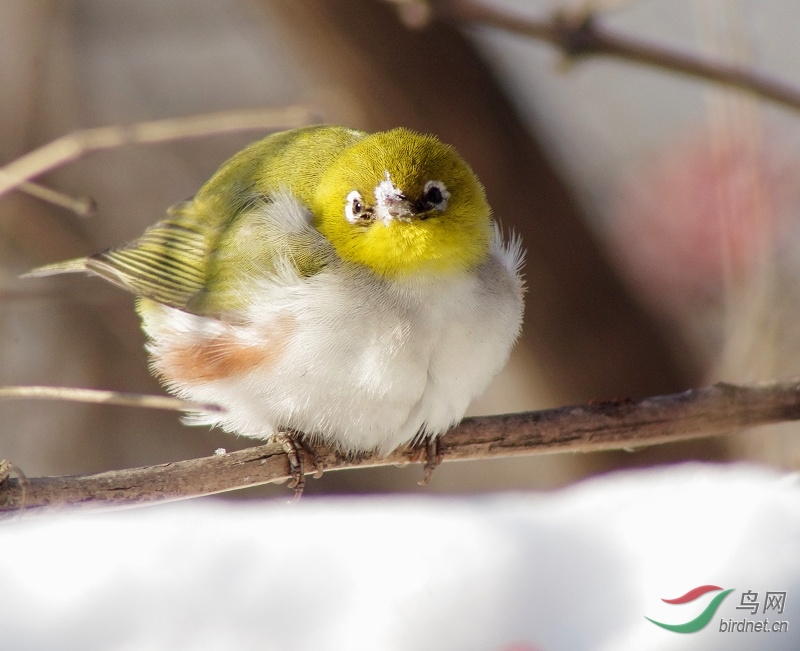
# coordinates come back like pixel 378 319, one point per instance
pixel 364 363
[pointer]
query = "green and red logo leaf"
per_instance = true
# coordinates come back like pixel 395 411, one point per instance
pixel 702 620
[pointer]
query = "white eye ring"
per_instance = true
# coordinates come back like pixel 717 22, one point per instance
pixel 354 209
pixel 438 191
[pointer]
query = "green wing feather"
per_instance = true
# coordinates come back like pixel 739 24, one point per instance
pixel 185 261
pixel 166 264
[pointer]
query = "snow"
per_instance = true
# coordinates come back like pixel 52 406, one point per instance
pixel 576 569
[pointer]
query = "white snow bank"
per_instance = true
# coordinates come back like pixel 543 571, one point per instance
pixel 573 570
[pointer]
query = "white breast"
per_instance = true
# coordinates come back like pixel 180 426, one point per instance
pixel 369 363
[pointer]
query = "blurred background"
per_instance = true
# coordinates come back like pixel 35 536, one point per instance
pixel 660 213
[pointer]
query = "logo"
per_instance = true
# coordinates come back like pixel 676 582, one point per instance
pixel 702 620
pixel 773 601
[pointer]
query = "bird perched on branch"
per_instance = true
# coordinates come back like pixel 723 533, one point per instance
pixel 327 285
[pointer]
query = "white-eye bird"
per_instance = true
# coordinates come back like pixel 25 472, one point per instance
pixel 325 281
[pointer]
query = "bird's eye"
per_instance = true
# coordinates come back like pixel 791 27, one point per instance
pixel 354 209
pixel 435 195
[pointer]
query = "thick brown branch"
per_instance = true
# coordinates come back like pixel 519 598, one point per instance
pixel 578 34
pixel 710 411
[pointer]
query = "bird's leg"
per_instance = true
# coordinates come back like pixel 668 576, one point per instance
pixel 296 447
pixel 433 457
pixel 310 450
pixel 289 442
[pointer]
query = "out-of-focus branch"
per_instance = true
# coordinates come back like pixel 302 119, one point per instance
pixel 99 397
pixel 72 146
pixel 578 34
pixel 81 206
pixel 714 410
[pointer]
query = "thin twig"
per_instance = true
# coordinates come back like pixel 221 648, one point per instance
pixel 72 146
pixel 81 206
pixel 578 34
pixel 710 411
pixel 97 396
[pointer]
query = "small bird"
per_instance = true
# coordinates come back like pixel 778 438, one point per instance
pixel 327 285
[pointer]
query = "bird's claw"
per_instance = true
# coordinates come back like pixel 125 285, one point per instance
pixel 433 457
pixel 296 447
pixel 296 463
pixel 319 467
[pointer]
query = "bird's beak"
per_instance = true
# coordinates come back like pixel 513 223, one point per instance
pixel 399 207
pixel 391 203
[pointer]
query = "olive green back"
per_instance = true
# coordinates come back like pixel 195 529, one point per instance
pixel 190 259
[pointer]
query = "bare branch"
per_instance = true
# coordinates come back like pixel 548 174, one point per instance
pixel 711 411
pixel 578 34
pixel 81 206
pixel 72 146
pixel 100 397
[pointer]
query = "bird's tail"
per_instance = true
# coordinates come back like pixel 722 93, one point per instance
pixel 67 267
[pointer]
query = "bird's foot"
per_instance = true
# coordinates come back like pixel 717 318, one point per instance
pixel 432 458
pixel 296 447
pixel 310 450
pixel 289 443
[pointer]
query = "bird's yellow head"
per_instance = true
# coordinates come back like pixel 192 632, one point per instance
pixel 403 204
